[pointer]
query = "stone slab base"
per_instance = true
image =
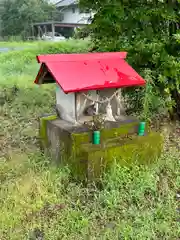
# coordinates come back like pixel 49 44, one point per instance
pixel 72 145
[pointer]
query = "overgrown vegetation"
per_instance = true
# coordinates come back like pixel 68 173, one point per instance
pixel 137 203
pixel 131 203
pixel 149 32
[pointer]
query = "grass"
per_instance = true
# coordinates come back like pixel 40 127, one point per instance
pixel 12 44
pixel 136 203
pixel 24 64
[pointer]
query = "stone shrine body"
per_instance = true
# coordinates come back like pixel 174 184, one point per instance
pixel 78 108
pixel 89 86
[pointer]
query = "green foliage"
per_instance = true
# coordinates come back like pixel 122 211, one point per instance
pixel 146 102
pixel 148 31
pixel 82 33
pixel 97 123
pixel 18 15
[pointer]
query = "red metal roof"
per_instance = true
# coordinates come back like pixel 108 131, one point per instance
pixel 78 57
pixel 92 71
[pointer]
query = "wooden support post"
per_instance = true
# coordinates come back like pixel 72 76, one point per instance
pixel 53 30
pixel 33 34
pixel 45 28
pixel 38 32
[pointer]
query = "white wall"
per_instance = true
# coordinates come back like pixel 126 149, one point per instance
pixel 73 15
pixel 65 104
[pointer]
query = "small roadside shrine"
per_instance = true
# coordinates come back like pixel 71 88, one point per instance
pixel 91 128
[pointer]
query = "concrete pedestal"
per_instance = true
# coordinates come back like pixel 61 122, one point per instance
pixel 71 145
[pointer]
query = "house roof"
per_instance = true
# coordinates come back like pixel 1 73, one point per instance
pixel 53 1
pixel 59 24
pixel 91 71
pixel 64 3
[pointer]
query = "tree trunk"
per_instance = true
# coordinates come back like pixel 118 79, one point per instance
pixel 176 97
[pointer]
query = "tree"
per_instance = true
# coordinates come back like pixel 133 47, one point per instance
pixel 18 15
pixel 149 31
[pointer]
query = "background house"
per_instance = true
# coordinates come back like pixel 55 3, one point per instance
pixel 71 13
pixel 70 17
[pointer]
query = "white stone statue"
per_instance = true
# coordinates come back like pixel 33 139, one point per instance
pixel 118 98
pixel 109 114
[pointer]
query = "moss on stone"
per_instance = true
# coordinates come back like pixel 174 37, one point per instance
pixel 43 128
pixel 88 161
pixel 142 150
pixel 106 134
pixel 129 128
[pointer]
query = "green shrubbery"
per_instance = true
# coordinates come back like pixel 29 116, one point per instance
pixel 149 32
